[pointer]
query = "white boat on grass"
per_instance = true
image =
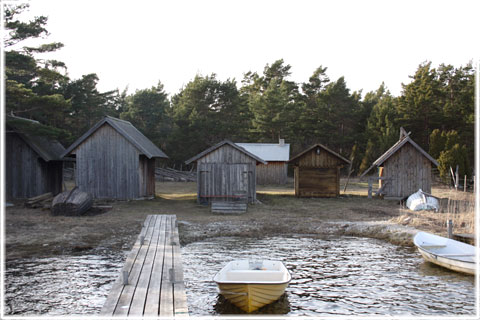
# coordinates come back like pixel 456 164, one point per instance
pixel 251 285
pixel 448 253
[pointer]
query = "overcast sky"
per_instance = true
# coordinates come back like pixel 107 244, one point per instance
pixel 138 43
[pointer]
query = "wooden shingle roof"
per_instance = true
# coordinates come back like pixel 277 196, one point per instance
pixel 218 145
pixel 324 148
pixel 47 148
pixel 393 149
pixel 129 132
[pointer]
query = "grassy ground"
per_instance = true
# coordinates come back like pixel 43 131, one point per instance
pixel 36 232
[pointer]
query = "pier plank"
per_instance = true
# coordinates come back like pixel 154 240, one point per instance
pixel 117 288
pixel 166 293
pixel 152 305
pixel 155 274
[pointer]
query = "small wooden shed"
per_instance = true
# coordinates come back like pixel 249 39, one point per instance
pixel 224 172
pixel 276 155
pixel 317 172
pixel 115 161
pixel 33 161
pixel 403 169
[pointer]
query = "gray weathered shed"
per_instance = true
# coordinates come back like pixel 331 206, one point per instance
pixel 404 168
pixel 115 161
pixel 33 161
pixel 224 172
pixel 276 155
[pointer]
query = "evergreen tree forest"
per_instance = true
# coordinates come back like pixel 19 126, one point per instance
pixel 437 106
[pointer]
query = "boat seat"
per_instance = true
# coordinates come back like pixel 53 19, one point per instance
pixel 254 275
pixel 433 246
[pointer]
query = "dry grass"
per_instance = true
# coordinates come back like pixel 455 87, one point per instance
pixel 457 206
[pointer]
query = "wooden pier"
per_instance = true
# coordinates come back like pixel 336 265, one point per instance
pixel 151 281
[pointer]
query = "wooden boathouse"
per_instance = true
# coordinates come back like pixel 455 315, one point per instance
pixel 33 161
pixel 115 161
pixel 317 172
pixel 276 155
pixel 226 171
pixel 403 169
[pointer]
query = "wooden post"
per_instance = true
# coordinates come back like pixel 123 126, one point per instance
pixel 125 277
pixel 457 178
pixel 450 228
pixel 465 184
pixel 348 178
pixel 369 187
pixel 453 176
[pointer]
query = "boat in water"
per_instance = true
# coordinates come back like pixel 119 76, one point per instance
pixel 251 285
pixel 445 252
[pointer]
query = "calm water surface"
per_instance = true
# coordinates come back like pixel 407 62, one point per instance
pixel 343 276
pixel 346 276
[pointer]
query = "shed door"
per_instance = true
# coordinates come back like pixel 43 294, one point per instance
pixel 220 181
pixel 318 182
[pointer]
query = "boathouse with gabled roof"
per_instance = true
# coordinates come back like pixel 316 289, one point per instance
pixel 226 171
pixel 33 160
pixel 403 169
pixel 276 155
pixel 115 161
pixel 317 172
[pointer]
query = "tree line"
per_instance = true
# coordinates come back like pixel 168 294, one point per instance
pixel 437 106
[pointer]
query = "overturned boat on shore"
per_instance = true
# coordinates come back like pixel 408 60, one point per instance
pixel 445 252
pixel 251 285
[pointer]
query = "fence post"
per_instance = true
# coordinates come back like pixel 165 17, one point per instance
pixel 450 228
pixel 465 184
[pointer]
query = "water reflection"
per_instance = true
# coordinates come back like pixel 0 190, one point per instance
pixel 225 307
pixel 337 276
pixel 346 276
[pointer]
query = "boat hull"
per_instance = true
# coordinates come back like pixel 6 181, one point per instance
pixel 447 253
pixel 455 265
pixel 251 297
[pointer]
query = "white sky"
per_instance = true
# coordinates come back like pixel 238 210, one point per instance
pixel 137 43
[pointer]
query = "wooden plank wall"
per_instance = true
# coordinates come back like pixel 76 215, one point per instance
pixel 317 175
pixel 222 181
pixel 275 172
pixel 154 268
pixel 27 175
pixel 317 182
pixel 408 171
pixel 223 173
pixel 323 160
pixel 108 165
pixel 146 176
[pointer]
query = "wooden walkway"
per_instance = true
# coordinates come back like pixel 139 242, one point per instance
pixel 155 274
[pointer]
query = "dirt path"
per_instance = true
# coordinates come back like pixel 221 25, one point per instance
pixel 35 232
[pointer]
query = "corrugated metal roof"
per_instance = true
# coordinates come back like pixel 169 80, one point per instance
pixel 48 149
pixel 129 132
pixel 268 151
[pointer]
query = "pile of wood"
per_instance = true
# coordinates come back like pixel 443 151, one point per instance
pixel 228 207
pixel 72 203
pixel 169 174
pixel 68 174
pixel 41 201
